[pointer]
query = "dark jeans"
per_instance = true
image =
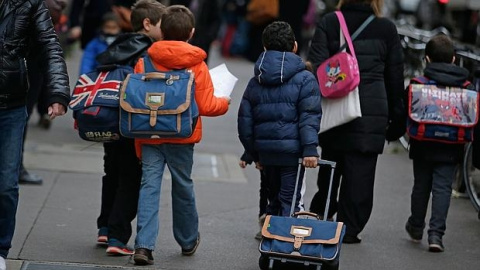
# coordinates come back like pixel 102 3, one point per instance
pixel 355 202
pixel 12 124
pixel 263 194
pixel 435 178
pixel 281 186
pixel 120 189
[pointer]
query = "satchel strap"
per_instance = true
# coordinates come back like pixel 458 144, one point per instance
pixel 346 33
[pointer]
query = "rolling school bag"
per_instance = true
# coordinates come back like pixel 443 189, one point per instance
pixel 95 102
pixel 300 240
pixel 158 104
pixel 441 114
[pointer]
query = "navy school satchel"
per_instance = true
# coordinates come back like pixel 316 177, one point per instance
pixel 158 104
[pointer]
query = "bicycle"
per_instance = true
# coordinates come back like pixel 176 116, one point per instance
pixel 471 177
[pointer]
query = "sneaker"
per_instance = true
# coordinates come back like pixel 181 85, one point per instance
pixel 102 238
pixel 117 248
pixel 414 233
pixel 3 265
pixel 143 256
pixel 351 239
pixel 191 251
pixel 435 244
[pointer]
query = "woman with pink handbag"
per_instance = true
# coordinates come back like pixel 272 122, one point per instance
pixel 355 145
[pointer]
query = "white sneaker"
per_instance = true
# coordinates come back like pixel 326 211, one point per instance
pixel 2 264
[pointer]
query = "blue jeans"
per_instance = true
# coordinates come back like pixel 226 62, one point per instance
pixel 12 124
pixel 179 159
pixel 435 178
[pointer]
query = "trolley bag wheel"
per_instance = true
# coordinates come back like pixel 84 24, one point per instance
pixel 263 262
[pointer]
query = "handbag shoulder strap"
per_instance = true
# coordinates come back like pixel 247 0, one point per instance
pixel 346 33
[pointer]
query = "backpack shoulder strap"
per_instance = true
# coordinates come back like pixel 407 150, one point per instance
pixel 147 64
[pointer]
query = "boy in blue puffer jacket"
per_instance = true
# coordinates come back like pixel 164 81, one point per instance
pixel 279 116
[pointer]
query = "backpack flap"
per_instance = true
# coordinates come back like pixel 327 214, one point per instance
pixel 98 88
pixel 158 104
pixel 302 238
pixel 445 114
pixel 95 102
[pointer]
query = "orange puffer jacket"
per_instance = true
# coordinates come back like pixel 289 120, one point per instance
pixel 167 55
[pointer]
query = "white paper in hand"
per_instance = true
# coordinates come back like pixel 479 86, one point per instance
pixel 223 81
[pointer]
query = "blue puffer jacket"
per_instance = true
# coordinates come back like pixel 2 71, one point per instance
pixel 279 116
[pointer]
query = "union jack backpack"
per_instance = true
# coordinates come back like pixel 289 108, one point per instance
pixel 439 113
pixel 95 103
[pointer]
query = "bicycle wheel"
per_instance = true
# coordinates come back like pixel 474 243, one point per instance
pixel 471 177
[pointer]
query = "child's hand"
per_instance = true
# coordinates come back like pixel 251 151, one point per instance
pixel 242 164
pixel 258 166
pixel 310 162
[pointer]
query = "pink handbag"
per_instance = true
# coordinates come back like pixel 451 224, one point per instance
pixel 339 74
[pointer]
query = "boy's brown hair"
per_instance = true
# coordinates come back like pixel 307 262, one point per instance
pixel 146 9
pixel 440 49
pixel 177 23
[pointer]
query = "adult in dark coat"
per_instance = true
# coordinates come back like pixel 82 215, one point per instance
pixel 355 146
pixel 208 19
pixel 23 23
pixel 289 11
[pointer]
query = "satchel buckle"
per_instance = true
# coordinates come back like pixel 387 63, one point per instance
pixel 298 243
pixel 300 233
pixel 153 117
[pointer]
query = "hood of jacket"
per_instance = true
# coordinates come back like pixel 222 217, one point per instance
pixel 125 50
pixel 446 74
pixel 176 54
pixel 275 67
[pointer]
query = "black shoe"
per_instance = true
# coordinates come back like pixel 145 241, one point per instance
pixel 28 178
pixel 190 251
pixel 143 256
pixel 435 244
pixel 414 233
pixel 351 239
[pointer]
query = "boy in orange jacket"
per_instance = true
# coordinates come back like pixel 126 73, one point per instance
pixel 173 52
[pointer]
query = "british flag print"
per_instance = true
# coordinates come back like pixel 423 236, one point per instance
pixel 95 88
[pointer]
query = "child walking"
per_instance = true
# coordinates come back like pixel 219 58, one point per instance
pixel 434 162
pixel 279 117
pixel 174 52
pixel 123 171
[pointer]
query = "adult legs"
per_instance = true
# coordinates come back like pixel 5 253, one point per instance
pixel 356 192
pixel 12 122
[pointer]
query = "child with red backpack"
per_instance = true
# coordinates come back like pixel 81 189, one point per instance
pixel 434 162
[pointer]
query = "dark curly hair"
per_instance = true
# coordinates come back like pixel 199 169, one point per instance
pixel 278 36
pixel 440 49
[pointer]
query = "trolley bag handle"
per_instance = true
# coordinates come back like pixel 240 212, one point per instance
pixel 294 199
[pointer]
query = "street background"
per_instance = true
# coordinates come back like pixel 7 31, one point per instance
pixel 56 222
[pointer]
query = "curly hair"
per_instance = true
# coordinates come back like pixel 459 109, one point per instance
pixel 278 36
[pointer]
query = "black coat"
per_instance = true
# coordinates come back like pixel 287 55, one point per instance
pixel 446 75
pixel 380 58
pixel 125 50
pixel 29 27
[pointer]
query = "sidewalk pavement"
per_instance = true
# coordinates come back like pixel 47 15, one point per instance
pixel 56 222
